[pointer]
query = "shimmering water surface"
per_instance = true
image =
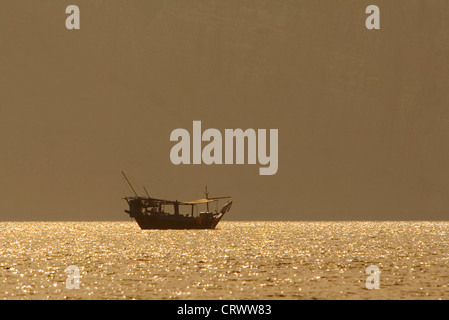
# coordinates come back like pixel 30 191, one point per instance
pixel 238 260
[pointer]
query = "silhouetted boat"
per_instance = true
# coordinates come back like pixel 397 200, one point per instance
pixel 150 213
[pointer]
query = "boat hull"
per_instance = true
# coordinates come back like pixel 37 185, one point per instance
pixel 175 222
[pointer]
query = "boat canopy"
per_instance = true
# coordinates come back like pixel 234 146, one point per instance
pixel 199 201
pixel 206 200
pixel 161 201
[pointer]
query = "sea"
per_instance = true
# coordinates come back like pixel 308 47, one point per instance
pixel 238 260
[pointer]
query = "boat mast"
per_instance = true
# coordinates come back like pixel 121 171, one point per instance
pixel 146 191
pixel 130 184
pixel 207 197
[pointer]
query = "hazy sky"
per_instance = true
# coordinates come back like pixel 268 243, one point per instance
pixel 362 115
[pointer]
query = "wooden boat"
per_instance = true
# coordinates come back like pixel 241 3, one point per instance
pixel 152 213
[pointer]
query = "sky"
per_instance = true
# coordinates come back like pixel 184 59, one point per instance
pixel 361 114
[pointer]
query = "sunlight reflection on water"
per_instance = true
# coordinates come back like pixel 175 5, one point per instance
pixel 238 260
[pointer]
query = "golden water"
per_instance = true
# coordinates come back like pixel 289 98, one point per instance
pixel 238 260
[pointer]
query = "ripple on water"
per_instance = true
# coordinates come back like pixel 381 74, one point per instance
pixel 239 260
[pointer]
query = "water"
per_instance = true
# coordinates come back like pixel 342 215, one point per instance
pixel 238 260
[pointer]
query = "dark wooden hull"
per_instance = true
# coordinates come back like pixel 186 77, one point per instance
pixel 175 222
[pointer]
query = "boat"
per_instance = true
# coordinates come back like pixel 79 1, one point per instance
pixel 152 213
